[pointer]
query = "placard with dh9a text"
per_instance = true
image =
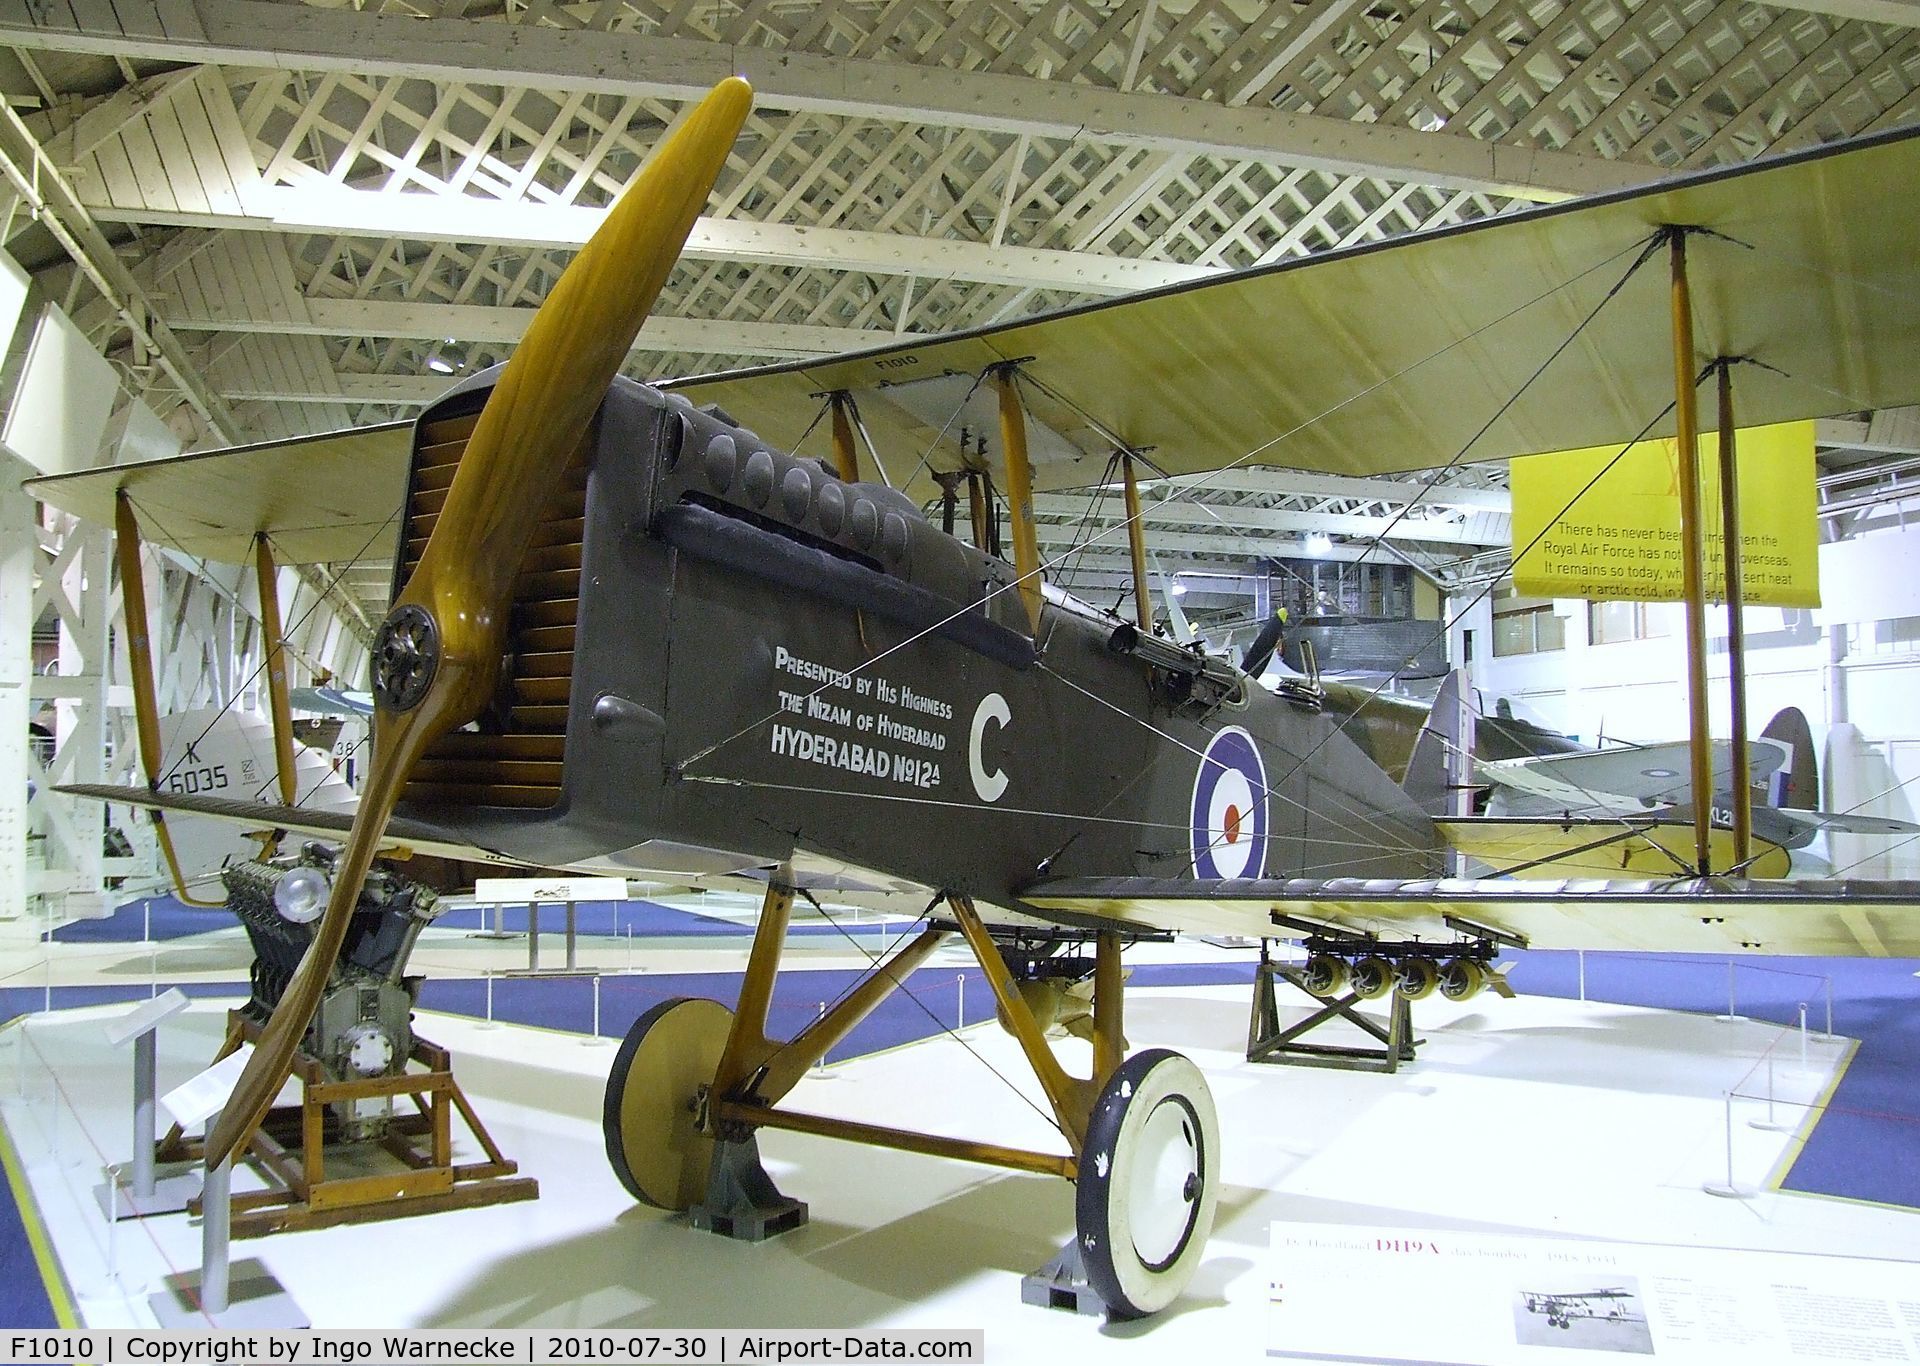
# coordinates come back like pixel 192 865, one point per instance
pixel 1601 524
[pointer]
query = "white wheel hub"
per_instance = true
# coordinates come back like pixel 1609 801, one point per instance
pixel 1164 1186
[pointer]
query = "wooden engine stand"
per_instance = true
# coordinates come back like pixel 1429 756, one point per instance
pixel 291 1149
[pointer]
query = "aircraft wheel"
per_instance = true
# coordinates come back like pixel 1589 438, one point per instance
pixel 1149 1180
pixel 1461 979
pixel 1371 978
pixel 1325 974
pixel 1416 978
pixel 648 1118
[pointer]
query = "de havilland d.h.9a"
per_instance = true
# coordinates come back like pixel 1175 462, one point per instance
pixel 631 631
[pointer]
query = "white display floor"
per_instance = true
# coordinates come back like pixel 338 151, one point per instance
pixel 1531 1115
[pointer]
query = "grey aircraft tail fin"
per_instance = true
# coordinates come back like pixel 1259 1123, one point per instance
pixel 1440 769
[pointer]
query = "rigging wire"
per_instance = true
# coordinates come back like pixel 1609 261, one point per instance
pixel 260 668
pixel 1121 526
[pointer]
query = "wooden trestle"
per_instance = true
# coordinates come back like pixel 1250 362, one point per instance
pixel 292 1145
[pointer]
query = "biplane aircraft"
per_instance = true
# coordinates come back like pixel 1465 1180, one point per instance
pixel 634 631
pixel 1561 1308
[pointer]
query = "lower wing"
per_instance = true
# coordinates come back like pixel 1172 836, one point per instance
pixel 1845 918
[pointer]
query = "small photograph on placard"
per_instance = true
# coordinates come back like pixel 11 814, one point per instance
pixel 1583 1314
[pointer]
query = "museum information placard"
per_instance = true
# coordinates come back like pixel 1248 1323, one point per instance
pixel 1603 524
pixel 1504 1301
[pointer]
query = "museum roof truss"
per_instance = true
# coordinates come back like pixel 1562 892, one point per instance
pixel 332 211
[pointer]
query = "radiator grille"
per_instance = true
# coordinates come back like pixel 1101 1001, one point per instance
pixel 512 758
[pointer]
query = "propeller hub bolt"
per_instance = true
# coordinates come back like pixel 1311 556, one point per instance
pixel 405 657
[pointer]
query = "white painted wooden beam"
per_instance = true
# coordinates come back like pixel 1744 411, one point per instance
pixel 1262 479
pixel 429 218
pixel 473 323
pixel 302 37
pixel 404 390
pixel 1070 508
pixel 1906 12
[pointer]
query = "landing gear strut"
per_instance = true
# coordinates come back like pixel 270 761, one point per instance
pixel 694 1083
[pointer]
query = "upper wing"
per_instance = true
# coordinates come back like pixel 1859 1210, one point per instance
pixel 1391 356
pixel 1845 918
pixel 321 498
pixel 1384 357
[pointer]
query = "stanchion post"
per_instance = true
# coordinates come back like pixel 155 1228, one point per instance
pixel 1730 1186
pixel 820 1063
pixel 113 1215
pixel 489 996
pixel 1829 1009
pixel 596 1005
pixel 1583 975
pixel 1729 1189
pixel 216 1210
pixel 145 1070
pixel 1803 1036
pixel 960 1002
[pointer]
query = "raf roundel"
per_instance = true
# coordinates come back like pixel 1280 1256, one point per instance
pixel 1229 814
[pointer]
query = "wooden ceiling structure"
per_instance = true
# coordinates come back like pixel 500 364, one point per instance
pixel 281 218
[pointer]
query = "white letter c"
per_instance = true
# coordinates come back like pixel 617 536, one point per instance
pixel 990 786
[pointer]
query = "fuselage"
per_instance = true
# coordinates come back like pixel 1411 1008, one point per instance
pixel 757 659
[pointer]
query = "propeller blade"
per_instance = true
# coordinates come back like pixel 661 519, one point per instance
pixel 438 656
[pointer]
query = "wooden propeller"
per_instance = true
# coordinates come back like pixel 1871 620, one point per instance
pixel 438 656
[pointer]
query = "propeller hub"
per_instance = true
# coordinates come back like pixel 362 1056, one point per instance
pixel 405 657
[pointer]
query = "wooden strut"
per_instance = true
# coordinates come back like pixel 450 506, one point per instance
pixel 977 512
pixel 146 705
pixel 1013 443
pixel 267 577
pixel 1693 554
pixel 1732 556
pixel 754 1073
pixel 1137 546
pixel 290 1146
pixel 845 458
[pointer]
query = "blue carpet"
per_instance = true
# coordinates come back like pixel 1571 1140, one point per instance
pixel 1866 1145
pixel 170 919
pixel 26 1300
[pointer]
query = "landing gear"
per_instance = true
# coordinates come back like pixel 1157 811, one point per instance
pixel 650 1117
pixel 1149 1182
pixel 694 1083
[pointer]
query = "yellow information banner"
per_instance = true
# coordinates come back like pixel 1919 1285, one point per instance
pixel 1620 538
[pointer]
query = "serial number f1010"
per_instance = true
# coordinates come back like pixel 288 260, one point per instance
pixel 52 1347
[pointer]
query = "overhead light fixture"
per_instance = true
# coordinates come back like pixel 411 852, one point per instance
pixel 447 357
pixel 1319 543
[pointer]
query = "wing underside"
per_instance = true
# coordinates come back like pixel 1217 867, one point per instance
pixel 1848 918
pixel 403 835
